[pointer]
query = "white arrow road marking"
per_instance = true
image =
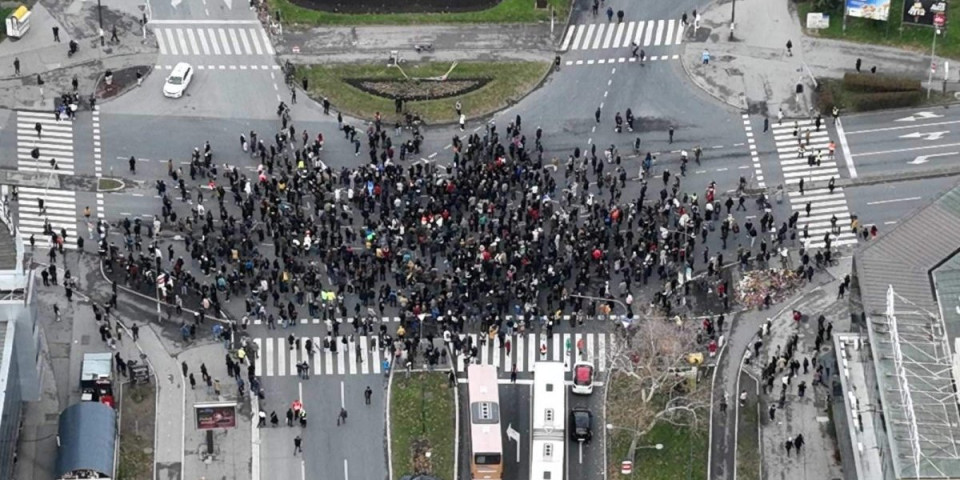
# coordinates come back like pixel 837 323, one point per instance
pixel 229 4
pixel 515 436
pixel 925 135
pixel 174 3
pixel 926 158
pixel 918 116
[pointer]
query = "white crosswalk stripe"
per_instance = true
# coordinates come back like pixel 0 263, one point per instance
pixel 617 35
pixel 59 210
pixel 55 142
pixel 277 359
pixel 824 205
pixel 206 41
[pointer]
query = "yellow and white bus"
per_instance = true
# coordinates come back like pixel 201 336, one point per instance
pixel 486 444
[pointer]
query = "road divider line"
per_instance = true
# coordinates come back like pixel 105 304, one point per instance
pixel 845 149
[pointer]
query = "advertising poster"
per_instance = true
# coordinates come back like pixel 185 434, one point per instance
pixel 216 415
pixel 922 12
pixel 871 9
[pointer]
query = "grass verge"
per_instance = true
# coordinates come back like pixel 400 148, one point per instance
pixel 507 11
pixel 509 82
pixel 4 13
pixel 832 92
pixel 137 423
pixel 748 440
pixel 892 32
pixel 684 453
pixel 422 414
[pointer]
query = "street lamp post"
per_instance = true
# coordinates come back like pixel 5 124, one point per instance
pixel 733 17
pixel 632 453
pixel 100 19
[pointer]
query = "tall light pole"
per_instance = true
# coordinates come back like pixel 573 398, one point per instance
pixel 100 19
pixel 733 17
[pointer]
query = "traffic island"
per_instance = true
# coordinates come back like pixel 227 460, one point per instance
pixel 421 422
pixel 375 12
pixel 137 422
pixel 657 403
pixel 116 82
pixel 429 90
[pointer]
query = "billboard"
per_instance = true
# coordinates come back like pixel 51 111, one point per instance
pixel 216 415
pixel 922 12
pixel 871 9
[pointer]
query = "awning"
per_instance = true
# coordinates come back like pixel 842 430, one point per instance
pixel 87 438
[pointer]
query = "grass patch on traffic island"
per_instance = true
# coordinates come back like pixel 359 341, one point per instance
pixel 422 416
pixel 684 453
pixel 507 11
pixel 505 83
pixel 137 423
pixel 748 435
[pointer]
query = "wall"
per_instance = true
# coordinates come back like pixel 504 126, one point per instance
pixel 11 402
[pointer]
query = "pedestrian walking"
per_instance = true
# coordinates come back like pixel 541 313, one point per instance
pixel 342 417
pixel 798 442
pixel 671 134
pixel 56 34
pixel 135 332
pixel 789 48
pixel 16 66
pixel 857 65
pixel 113 35
pixel 297 444
pixel 367 394
pixel 772 411
pixel 788 445
pixel 184 368
pixel 193 382
pixel 263 419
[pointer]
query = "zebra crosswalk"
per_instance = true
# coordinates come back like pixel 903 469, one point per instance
pixel 59 209
pixel 644 33
pixel 53 142
pixel 386 319
pixel 277 359
pixel 244 39
pixel 824 203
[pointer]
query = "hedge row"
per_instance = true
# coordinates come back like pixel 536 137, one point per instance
pixel 879 101
pixel 860 82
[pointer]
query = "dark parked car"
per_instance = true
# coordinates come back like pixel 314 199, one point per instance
pixel 581 425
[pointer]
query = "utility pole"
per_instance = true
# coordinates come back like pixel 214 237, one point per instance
pixel 933 53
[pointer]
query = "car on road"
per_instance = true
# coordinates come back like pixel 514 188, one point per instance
pixel 178 80
pixel 582 378
pixel 581 425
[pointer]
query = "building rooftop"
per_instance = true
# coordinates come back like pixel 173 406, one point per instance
pixel 909 336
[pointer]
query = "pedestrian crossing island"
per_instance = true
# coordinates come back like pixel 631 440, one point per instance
pixel 362 355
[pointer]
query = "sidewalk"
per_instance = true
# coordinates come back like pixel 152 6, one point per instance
pixel 805 415
pixel 520 42
pixel 754 73
pixel 232 450
pixel 38 53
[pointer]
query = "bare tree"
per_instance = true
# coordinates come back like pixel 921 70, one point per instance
pixel 654 380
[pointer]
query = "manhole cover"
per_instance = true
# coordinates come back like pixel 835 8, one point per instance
pixel 84 339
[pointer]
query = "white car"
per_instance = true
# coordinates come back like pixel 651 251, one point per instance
pixel 582 378
pixel 178 80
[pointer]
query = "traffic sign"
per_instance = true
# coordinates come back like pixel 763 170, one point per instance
pixel 939 19
pixel 626 467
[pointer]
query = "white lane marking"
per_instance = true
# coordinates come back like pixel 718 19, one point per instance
pixel 895 200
